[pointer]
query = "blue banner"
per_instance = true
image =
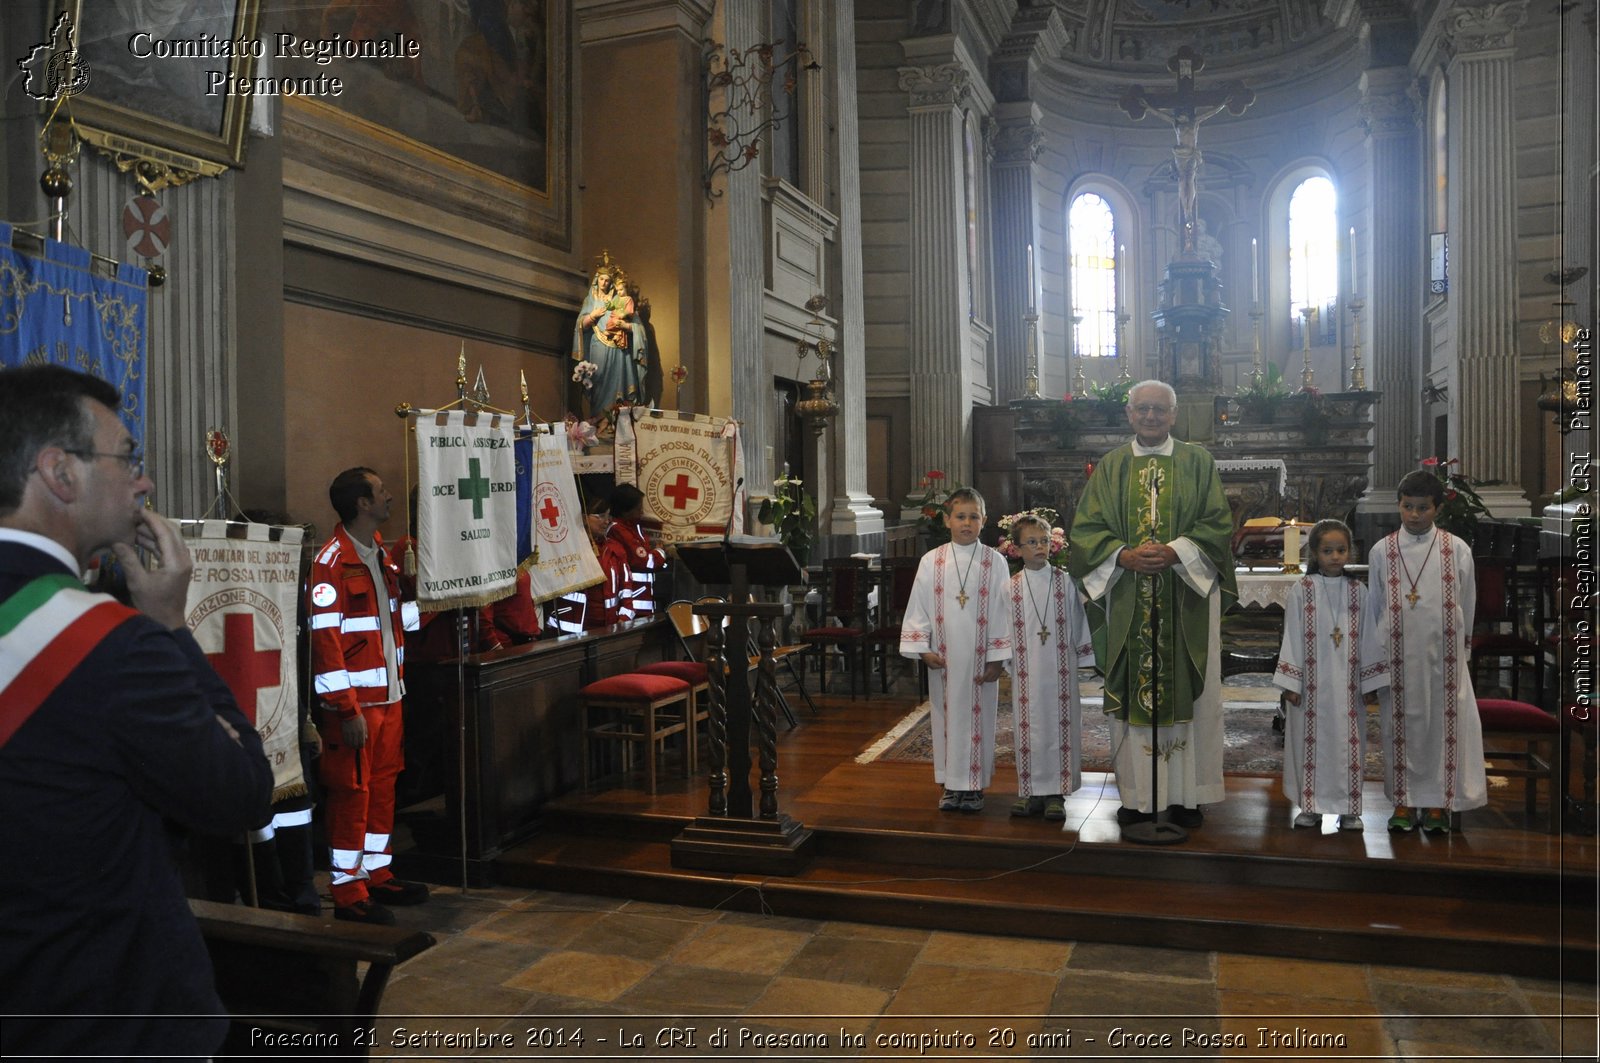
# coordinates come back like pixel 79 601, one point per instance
pixel 522 450
pixel 55 310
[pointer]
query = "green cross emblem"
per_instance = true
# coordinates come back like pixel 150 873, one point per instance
pixel 474 488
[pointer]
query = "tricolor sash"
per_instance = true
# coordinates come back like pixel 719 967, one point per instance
pixel 46 630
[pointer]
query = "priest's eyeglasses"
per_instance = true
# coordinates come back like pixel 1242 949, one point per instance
pixel 133 460
pixel 1145 409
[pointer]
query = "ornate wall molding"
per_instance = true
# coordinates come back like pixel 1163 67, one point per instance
pixel 1387 106
pixel 1491 27
pixel 938 85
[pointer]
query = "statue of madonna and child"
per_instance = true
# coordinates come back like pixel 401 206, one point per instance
pixel 610 347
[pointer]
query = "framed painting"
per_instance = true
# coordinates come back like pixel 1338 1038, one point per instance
pixel 159 74
pixel 477 120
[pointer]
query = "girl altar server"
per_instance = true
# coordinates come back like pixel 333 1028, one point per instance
pixel 1050 642
pixel 1319 669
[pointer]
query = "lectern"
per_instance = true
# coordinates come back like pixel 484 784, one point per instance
pixel 731 836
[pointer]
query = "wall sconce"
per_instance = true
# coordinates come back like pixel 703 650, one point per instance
pixel 819 406
pixel 735 129
pixel 1435 393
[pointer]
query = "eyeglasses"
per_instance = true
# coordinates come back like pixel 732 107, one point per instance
pixel 133 460
pixel 1144 409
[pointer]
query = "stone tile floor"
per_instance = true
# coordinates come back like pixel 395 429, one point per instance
pixel 532 970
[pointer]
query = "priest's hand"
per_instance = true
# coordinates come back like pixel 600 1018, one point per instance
pixel 1147 559
pixel 933 660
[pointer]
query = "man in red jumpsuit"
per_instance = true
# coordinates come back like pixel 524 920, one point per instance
pixel 357 650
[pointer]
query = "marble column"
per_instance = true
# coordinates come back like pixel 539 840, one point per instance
pixel 1393 289
pixel 853 512
pixel 941 419
pixel 751 379
pixel 1017 144
pixel 1483 253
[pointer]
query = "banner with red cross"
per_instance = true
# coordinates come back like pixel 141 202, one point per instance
pixel 466 510
pixel 557 554
pixel 690 468
pixel 242 608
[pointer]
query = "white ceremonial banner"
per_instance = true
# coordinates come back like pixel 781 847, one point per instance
pixel 689 467
pixel 466 510
pixel 243 604
pixel 562 559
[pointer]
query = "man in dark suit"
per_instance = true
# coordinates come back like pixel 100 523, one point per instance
pixel 112 725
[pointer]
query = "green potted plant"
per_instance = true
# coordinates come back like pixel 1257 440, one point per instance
pixel 1260 398
pixel 931 528
pixel 1113 399
pixel 1462 509
pixel 792 513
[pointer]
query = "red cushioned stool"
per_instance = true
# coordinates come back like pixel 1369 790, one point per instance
pixel 1514 736
pixel 693 673
pixel 636 709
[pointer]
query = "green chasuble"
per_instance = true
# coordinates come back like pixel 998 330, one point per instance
pixel 1115 511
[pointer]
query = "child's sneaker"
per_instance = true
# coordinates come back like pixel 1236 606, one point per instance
pixel 1308 819
pixel 950 802
pixel 972 801
pixel 1350 822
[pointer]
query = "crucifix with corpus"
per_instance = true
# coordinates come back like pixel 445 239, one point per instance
pixel 1186 107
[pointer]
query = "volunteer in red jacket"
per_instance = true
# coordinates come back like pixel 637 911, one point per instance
pixel 626 539
pixel 357 650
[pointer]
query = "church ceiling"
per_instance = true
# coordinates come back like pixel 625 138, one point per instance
pixel 1263 39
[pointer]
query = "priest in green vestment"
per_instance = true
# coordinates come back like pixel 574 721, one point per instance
pixel 1152 535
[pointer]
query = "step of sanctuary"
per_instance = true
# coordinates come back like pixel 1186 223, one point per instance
pixel 1525 908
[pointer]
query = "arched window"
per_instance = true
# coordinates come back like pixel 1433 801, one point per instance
pixel 1314 259
pixel 1092 235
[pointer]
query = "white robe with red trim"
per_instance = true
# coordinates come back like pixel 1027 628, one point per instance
pixel 963 709
pixel 1044 679
pixel 1416 658
pixel 1324 749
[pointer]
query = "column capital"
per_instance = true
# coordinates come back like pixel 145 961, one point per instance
pixel 1485 28
pixel 936 85
pixel 1015 142
pixel 1389 105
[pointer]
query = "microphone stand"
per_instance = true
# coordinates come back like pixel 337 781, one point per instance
pixel 1158 830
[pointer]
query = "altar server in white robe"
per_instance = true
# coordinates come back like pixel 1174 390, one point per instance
pixel 1050 642
pixel 958 623
pixel 1319 670
pixel 1419 617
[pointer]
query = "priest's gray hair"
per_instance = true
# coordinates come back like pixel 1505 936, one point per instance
pixel 1166 388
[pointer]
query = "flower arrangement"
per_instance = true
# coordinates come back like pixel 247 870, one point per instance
pixel 583 373
pixel 930 516
pixel 791 512
pixel 1462 508
pixel 580 434
pixel 1058 537
pixel 1261 397
pixel 1111 391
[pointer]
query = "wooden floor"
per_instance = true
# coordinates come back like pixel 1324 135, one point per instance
pixel 1502 895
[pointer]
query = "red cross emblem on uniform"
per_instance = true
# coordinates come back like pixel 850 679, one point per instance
pixel 680 492
pixel 245 669
pixel 146 225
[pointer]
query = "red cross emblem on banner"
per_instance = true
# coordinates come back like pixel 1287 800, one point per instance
pixel 680 492
pixel 245 669
pixel 549 511
pixel 146 225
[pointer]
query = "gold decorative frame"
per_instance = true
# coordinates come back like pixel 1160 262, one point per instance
pixel 163 150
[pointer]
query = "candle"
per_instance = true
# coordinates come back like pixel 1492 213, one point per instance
pixel 1032 300
pixel 1352 261
pixel 1291 546
pixel 1122 278
pixel 1255 273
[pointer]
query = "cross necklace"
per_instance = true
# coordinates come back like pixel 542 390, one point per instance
pixel 961 598
pixel 1044 629
pixel 1333 614
pixel 1413 597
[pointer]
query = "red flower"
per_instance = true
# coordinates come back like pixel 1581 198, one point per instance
pixel 930 511
pixel 935 474
pixel 1451 496
pixel 1430 462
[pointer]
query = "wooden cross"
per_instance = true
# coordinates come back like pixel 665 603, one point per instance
pixel 1044 634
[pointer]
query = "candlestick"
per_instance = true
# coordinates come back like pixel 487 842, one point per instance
pixel 1255 272
pixel 1032 299
pixel 1307 313
pixel 1358 371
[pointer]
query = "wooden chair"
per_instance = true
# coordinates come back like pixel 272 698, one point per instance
pixel 1495 636
pixel 845 624
pixel 896 576
pixel 636 709
pixel 1522 741
pixel 691 631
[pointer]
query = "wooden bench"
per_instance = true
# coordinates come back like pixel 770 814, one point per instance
pixel 282 975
